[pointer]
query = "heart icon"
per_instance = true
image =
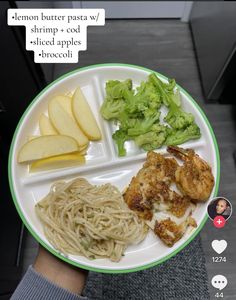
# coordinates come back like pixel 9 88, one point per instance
pixel 219 246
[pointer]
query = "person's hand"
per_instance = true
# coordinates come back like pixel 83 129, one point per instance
pixel 59 272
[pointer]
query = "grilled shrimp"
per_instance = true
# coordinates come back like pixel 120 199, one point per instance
pixel 194 178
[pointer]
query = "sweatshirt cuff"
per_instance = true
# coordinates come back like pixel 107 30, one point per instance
pixel 35 286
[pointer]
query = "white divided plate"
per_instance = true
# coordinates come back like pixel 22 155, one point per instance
pixel 103 165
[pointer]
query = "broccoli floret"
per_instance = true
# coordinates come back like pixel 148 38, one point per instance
pixel 148 93
pixel 134 106
pixel 177 137
pixel 160 88
pixel 177 118
pixel 114 103
pixel 120 136
pixel 112 109
pixel 170 85
pixel 150 140
pixel 151 113
pixel 168 92
pixel 126 121
pixel 174 97
pixel 153 139
pixel 144 125
pixel 146 98
pixel 116 89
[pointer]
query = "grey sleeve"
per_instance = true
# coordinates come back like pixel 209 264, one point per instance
pixel 35 286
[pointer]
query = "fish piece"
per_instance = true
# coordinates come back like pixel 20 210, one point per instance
pixel 170 231
pixel 151 184
pixel 165 168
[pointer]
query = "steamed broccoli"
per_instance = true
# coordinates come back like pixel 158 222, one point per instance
pixel 137 114
pixel 168 91
pixel 112 109
pixel 120 136
pixel 153 139
pixel 116 89
pixel 148 93
pixel 177 118
pixel 170 86
pixel 145 99
pixel 144 125
pixel 126 121
pixel 177 137
pixel 160 88
pixel 114 102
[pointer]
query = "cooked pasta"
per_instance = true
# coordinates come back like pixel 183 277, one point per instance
pixel 94 221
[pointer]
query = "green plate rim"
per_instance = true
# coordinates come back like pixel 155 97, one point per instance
pixel 54 252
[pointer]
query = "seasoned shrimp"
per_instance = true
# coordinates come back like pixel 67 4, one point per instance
pixel 194 178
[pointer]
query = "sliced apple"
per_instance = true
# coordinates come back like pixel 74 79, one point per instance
pixel 64 124
pixel 83 147
pixel 65 102
pixel 83 150
pixel 31 137
pixel 47 146
pixel 84 116
pixel 56 162
pixel 45 126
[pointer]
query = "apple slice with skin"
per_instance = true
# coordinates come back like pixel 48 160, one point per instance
pixel 64 123
pixel 45 126
pixel 46 146
pixel 65 102
pixel 56 162
pixel 84 116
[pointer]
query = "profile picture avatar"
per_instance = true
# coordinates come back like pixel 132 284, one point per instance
pixel 219 206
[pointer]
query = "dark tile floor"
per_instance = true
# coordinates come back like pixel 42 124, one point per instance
pixel 166 46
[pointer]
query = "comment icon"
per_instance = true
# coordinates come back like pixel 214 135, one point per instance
pixel 219 282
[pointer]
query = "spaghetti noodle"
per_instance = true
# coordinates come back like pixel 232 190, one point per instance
pixel 94 221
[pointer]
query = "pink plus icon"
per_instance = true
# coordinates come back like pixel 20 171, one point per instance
pixel 219 222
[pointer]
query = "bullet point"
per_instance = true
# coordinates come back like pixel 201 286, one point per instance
pixel 12 17
pixel 39 54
